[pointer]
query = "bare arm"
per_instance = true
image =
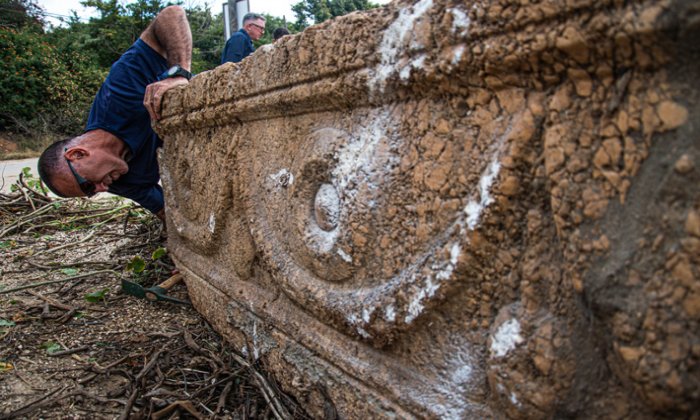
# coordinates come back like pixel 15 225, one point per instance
pixel 169 34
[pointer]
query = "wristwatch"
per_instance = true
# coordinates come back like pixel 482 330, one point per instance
pixel 175 71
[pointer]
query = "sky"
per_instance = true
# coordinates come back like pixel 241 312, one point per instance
pixel 277 8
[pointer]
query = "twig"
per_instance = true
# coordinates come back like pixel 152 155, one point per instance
pixel 28 408
pixel 132 398
pixel 98 370
pixel 270 395
pixel 222 398
pixel 43 197
pixel 69 351
pixel 51 301
pixel 44 283
pixel 68 245
pixel 71 265
pixel 26 197
pixel 187 405
pixel 21 221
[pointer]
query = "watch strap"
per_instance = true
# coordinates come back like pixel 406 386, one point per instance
pixel 175 71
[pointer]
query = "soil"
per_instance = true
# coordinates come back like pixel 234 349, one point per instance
pixel 74 345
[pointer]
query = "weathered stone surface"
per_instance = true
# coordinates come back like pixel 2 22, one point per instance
pixel 449 209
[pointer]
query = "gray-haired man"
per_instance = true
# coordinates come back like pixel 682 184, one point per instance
pixel 240 45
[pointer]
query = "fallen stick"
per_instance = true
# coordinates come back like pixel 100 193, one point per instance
pixel 51 301
pixel 28 408
pixel 132 398
pixel 69 351
pixel 50 250
pixel 67 279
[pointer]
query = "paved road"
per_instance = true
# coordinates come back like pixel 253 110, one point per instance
pixel 11 169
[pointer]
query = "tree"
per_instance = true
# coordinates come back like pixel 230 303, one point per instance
pixel 20 14
pixel 272 23
pixel 207 38
pixel 318 11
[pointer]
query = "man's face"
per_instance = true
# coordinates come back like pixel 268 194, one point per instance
pixel 96 167
pixel 255 28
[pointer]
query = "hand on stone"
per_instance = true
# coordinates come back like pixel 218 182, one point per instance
pixel 153 97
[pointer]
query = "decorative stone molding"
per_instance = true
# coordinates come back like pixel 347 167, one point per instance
pixel 455 210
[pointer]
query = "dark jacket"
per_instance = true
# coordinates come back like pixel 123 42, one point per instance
pixel 238 47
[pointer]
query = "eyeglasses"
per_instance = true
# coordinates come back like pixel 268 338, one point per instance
pixel 87 187
pixel 262 28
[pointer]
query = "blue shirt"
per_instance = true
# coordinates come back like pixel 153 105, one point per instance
pixel 238 47
pixel 118 108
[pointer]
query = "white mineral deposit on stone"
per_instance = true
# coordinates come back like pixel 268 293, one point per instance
pixel 390 313
pixel 475 208
pixel 366 314
pixel 462 374
pixel 458 52
pixel 321 241
pixel 416 305
pixel 344 255
pixel 506 338
pixel 394 41
pixel 283 177
pixel 446 272
pixel 356 156
pixel 514 399
pixel 327 207
pixel 352 319
pixel 460 21
pixel 457 379
pixel 416 63
pixel 443 271
pixel 256 354
pixel 212 223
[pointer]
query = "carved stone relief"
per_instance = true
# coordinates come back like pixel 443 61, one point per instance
pixel 453 209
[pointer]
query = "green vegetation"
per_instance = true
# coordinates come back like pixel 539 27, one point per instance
pixel 49 75
pixel 98 296
pixel 317 11
pixel 51 347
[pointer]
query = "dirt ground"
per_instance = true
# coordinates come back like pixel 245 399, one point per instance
pixel 74 345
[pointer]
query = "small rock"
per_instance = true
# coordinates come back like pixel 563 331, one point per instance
pixel 630 354
pixel 684 164
pixel 692 223
pixel 553 158
pixel 691 305
pixel 582 82
pixel 510 186
pixel 672 114
pixel 573 44
pixel 561 99
pixel 683 273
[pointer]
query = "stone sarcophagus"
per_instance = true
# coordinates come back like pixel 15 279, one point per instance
pixel 453 209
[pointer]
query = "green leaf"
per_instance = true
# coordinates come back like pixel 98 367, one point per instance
pixel 5 367
pixel 51 347
pixel 136 265
pixel 158 253
pixel 69 271
pixel 6 323
pixel 95 297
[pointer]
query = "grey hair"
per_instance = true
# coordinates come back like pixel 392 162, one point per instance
pixel 252 16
